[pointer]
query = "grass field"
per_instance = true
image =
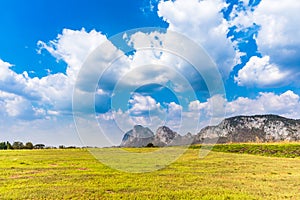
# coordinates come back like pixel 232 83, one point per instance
pixel 76 174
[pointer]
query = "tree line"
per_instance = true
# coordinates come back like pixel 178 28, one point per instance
pixel 20 145
pixel 29 145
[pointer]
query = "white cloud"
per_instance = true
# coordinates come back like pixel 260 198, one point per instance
pixel 53 112
pixel 279 36
pixel 53 92
pixel 30 107
pixel 15 95
pixel 174 116
pixel 174 108
pixel 73 47
pixel 210 111
pixel 197 105
pixel 158 64
pixel 203 22
pixel 260 72
pixel 278 39
pixel 4 69
pixel 286 104
pixel 241 18
pixel 140 105
pixel 15 106
pixel 15 83
pixel 146 66
pixel 279 22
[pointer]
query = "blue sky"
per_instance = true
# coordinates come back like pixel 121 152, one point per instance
pixel 48 48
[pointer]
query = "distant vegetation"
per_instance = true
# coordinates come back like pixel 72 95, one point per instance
pixel 28 145
pixel 19 145
pixel 287 150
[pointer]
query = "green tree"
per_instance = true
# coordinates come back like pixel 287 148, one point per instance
pixel 39 146
pixel 150 145
pixel 8 145
pixel 18 145
pixel 29 145
pixel 3 145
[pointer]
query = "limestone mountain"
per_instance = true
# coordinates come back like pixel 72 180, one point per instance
pixel 257 128
pixel 165 136
pixel 139 136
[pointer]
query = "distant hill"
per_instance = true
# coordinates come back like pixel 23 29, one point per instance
pixel 166 137
pixel 139 136
pixel 257 128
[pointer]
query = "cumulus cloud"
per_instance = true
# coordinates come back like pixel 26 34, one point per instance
pixel 216 108
pixel 279 24
pixel 286 104
pixel 161 63
pixel 73 47
pixel 30 107
pixel 173 58
pixel 12 82
pixel 111 67
pixel 277 35
pixel 277 39
pixel 140 104
pixel 16 95
pixel 15 106
pixel 203 22
pixel 25 97
pixel 260 72
pixel 197 105
pixel 174 116
pixel 51 91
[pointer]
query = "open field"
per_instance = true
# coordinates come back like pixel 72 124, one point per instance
pixel 76 174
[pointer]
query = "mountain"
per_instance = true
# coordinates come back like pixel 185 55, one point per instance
pixel 257 128
pixel 165 136
pixel 139 136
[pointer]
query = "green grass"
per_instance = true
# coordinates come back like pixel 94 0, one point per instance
pixel 76 174
pixel 287 150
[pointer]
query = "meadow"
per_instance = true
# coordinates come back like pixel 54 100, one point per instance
pixel 76 174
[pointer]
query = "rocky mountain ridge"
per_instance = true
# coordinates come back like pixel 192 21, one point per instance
pixel 139 136
pixel 257 128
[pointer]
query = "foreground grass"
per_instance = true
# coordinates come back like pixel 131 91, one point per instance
pixel 76 174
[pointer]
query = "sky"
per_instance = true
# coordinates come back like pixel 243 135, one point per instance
pixel 85 72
